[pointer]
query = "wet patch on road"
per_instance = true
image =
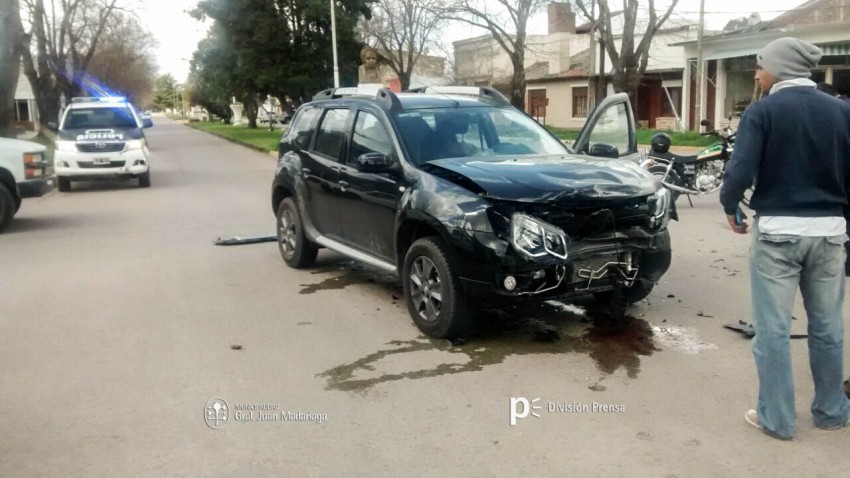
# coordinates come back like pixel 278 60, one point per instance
pixel 350 273
pixel 547 328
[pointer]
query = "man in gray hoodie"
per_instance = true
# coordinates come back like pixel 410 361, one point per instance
pixel 794 145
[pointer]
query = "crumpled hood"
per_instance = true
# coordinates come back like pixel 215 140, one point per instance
pixel 552 178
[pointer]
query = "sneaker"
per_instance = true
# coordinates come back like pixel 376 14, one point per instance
pixel 752 419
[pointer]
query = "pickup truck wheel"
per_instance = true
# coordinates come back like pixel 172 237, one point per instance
pixel 432 291
pixel 297 251
pixel 63 184
pixel 7 206
pixel 145 179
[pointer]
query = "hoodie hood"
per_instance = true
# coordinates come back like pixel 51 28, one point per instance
pixel 552 178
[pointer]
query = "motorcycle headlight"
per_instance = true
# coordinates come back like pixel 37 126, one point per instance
pixel 537 238
pixel 66 146
pixel 661 210
pixel 134 144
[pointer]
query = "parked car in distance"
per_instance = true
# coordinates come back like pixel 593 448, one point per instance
pixel 100 138
pixel 24 173
pixel 469 200
pixel 147 120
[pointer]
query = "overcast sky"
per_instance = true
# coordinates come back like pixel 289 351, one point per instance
pixel 178 33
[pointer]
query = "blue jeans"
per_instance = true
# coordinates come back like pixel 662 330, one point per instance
pixel 778 265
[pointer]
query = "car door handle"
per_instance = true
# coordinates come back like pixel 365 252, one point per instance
pixel 306 171
pixel 343 185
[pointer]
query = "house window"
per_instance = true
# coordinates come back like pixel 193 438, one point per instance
pixel 22 109
pixel 580 102
pixel 674 108
pixel 740 85
pixel 537 103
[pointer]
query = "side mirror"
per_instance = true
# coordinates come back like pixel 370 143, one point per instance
pixel 52 126
pixel 604 150
pixel 373 163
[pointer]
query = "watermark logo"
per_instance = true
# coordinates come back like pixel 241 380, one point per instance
pixel 525 408
pixel 216 413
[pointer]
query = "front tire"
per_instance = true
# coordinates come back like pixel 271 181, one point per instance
pixel 432 290
pixel 7 207
pixel 297 251
pixel 63 184
pixel 145 179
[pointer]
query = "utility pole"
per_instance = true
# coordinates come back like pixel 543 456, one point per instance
pixel 591 85
pixel 333 40
pixel 698 103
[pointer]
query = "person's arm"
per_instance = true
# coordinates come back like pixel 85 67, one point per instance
pixel 746 159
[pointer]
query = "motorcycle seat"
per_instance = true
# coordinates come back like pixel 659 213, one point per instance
pixel 676 158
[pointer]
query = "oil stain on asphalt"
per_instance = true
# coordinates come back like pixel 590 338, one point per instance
pixel 539 328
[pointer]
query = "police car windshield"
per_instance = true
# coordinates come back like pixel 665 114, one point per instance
pixel 100 118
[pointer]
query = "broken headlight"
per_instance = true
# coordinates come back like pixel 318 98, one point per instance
pixel 537 238
pixel 661 202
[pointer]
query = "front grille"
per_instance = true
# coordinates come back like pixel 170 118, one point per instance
pixel 101 147
pixel 605 217
pixel 91 165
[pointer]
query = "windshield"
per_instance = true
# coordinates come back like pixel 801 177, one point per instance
pixel 100 118
pixel 463 132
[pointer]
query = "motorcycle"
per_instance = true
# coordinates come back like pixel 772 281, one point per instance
pixel 692 175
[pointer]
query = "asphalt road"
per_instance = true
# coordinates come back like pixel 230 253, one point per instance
pixel 120 320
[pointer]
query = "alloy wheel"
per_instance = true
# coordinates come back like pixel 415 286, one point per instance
pixel 426 289
pixel 286 233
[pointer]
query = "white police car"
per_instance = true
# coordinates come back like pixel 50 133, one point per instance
pixel 101 138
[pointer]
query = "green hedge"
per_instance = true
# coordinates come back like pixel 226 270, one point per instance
pixel 644 136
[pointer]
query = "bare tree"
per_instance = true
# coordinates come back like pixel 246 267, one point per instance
pixel 125 60
pixel 66 37
pixel 12 41
pixel 507 22
pixel 403 30
pixel 630 60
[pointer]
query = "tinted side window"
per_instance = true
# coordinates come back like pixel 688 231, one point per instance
pixel 331 134
pixel 370 136
pixel 302 128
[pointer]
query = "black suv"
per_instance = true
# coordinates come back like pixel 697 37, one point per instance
pixel 467 198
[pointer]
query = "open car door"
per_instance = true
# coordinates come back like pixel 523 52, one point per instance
pixel 609 131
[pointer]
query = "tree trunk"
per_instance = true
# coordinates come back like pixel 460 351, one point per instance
pixel 249 103
pixel 518 85
pixel 11 43
pixel 404 79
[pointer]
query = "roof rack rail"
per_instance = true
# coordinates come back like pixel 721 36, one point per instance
pixel 386 98
pixel 482 92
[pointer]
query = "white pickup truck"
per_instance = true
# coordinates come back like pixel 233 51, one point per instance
pixel 24 172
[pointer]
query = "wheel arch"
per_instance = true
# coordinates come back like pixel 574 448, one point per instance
pixel 8 180
pixel 279 193
pixel 415 228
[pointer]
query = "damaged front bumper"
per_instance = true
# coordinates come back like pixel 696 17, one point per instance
pixel 491 267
